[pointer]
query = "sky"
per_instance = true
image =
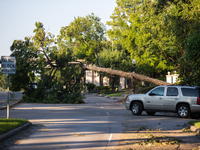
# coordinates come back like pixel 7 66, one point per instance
pixel 18 17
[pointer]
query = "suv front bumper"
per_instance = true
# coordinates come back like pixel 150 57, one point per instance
pixel 127 105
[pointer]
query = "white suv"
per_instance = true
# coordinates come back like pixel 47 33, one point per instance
pixel 185 100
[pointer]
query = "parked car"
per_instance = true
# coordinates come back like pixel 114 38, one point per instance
pixel 184 100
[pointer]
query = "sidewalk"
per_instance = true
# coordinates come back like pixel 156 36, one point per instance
pixel 115 99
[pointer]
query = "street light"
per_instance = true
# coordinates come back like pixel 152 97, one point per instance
pixel 133 61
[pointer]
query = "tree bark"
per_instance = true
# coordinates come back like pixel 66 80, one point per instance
pixel 127 75
pixel 101 80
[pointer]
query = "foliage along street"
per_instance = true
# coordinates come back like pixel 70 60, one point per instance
pixel 161 36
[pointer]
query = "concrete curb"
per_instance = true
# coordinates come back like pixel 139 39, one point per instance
pixel 114 99
pixel 193 128
pixel 10 105
pixel 15 131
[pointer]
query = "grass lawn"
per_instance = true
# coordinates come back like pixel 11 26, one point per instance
pixel 116 94
pixel 195 123
pixel 9 124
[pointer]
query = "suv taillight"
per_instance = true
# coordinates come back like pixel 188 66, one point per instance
pixel 198 100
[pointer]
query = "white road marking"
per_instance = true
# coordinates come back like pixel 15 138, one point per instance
pixel 108 113
pixel 110 137
pixel 102 107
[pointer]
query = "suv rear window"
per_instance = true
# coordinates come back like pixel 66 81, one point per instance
pixel 189 92
pixel 198 91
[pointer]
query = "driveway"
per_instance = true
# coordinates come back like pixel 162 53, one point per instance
pixel 100 124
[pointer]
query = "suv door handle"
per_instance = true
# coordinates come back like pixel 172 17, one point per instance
pixel 161 98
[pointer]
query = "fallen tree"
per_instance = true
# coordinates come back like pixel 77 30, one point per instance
pixel 123 74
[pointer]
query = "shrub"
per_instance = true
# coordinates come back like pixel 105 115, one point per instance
pixel 56 95
pixel 103 89
pixel 90 86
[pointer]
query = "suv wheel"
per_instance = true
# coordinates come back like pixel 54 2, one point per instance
pixel 183 111
pixel 150 113
pixel 136 108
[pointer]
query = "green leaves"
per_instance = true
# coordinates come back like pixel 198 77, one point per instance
pixel 36 55
pixel 191 60
pixel 114 59
pixel 41 39
pixel 154 32
pixel 25 53
pixel 84 35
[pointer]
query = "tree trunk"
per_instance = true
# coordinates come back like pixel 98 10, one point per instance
pixel 127 75
pixel 101 79
pixel 112 83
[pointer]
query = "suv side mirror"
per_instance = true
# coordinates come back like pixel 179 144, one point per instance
pixel 151 94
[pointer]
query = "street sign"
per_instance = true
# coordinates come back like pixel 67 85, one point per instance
pixel 8 64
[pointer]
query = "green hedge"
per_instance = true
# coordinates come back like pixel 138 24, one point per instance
pixel 90 86
pixel 103 89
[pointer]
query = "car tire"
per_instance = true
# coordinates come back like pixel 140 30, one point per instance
pixel 183 111
pixel 150 113
pixel 195 115
pixel 136 108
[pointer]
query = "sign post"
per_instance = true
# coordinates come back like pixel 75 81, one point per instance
pixel 8 66
pixel 133 61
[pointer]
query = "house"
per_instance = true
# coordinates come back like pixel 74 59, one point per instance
pixel 95 78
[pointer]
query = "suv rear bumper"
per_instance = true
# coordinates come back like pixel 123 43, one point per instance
pixel 195 108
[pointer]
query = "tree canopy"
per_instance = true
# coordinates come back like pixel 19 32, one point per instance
pixel 85 35
pixel 161 35
pixel 155 32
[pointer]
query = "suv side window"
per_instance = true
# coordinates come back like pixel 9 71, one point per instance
pixel 189 92
pixel 157 92
pixel 172 91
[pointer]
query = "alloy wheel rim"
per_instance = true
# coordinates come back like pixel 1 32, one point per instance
pixel 135 108
pixel 183 111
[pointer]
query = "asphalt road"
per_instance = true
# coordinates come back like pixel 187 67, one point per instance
pixel 96 125
pixel 93 125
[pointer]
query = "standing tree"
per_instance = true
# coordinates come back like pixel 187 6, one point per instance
pixel 85 35
pixel 190 74
pixel 154 32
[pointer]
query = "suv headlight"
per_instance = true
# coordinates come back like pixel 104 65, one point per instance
pixel 127 99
